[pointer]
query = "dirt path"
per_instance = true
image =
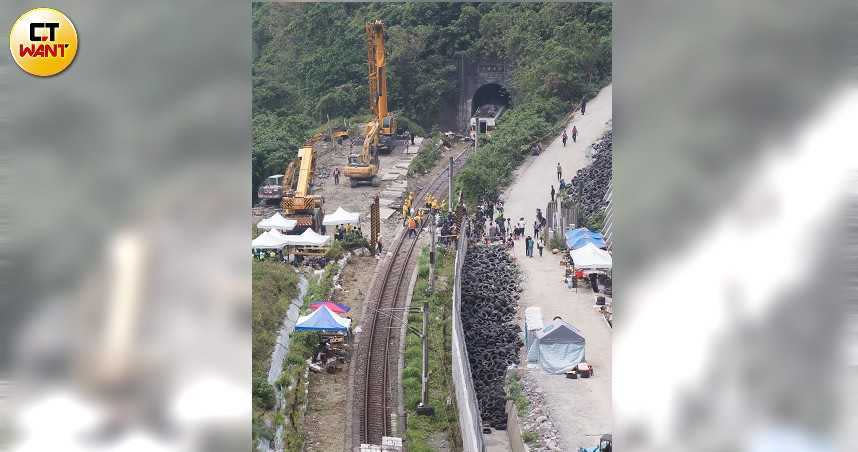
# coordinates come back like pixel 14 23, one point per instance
pixel 579 407
pixel 326 410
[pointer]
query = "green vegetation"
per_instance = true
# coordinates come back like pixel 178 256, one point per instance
pixel 531 438
pixel 274 286
pixel 320 289
pixel 444 421
pixel 309 66
pixel 563 52
pixel 335 251
pixel 428 156
pixel 515 392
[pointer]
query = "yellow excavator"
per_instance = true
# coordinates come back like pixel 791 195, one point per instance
pixel 298 204
pixel 364 167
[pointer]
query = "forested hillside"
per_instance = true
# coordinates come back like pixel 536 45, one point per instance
pixel 309 64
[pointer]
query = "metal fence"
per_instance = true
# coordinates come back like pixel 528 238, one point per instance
pixel 470 423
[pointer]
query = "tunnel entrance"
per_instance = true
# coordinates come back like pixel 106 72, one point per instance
pixel 490 94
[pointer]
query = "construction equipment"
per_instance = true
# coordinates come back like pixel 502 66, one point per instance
pixel 364 167
pixel 378 85
pixel 270 188
pixel 297 202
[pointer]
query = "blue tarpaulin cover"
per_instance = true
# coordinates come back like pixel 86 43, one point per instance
pixel 558 348
pixel 576 238
pixel 322 319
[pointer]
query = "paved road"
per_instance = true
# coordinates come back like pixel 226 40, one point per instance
pixel 579 407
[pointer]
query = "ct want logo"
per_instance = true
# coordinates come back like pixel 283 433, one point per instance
pixel 43 42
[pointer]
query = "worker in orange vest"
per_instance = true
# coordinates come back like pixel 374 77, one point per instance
pixel 412 227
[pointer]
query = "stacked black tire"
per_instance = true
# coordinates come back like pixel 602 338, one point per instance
pixel 594 179
pixel 490 293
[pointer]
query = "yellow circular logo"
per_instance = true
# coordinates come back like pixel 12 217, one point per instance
pixel 43 42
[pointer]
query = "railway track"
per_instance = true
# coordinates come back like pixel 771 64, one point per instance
pixel 376 377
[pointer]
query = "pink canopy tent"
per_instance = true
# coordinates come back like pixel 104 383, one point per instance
pixel 334 307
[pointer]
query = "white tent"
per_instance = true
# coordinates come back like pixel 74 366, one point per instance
pixel 589 256
pixel 277 221
pixel 307 238
pixel 532 325
pixel 341 216
pixel 269 240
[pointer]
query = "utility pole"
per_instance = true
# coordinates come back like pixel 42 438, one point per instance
pixel 423 407
pixel 432 251
pixel 450 188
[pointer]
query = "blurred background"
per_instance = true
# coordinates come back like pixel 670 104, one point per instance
pixel 734 191
pixel 126 284
pixel 126 303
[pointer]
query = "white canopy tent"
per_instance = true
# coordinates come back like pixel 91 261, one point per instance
pixel 277 221
pixel 341 216
pixel 307 238
pixel 269 240
pixel 591 257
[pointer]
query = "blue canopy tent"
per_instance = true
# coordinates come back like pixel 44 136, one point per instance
pixel 322 319
pixel 576 238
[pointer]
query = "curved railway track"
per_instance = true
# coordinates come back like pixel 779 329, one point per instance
pixel 377 357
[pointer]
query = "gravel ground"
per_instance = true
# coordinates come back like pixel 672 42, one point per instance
pixel 327 396
pixel 539 417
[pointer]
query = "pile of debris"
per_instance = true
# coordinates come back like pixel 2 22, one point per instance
pixel 538 418
pixel 590 184
pixel 490 293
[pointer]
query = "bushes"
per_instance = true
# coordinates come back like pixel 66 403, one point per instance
pixel 428 156
pixel 335 251
pixel 274 286
pixel 263 394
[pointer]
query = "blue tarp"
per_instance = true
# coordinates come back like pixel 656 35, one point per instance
pixel 576 238
pixel 322 319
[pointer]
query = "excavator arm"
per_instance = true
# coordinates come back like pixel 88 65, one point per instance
pixel 378 78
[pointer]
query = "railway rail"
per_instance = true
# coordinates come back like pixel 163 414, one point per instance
pixel 376 377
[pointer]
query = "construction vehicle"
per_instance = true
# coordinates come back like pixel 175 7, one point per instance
pixel 364 167
pixel 270 188
pixel 298 204
pixel 378 85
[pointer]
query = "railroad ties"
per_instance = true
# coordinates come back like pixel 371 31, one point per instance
pixel 375 391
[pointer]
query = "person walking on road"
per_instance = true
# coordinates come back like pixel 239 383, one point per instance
pixel 337 176
pixel 583 105
pixel 552 193
pixel 564 138
pixel 574 134
pixel 559 171
pixel 411 135
pixel 540 244
pixel 528 246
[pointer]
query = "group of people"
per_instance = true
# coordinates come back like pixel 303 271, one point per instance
pixel 574 135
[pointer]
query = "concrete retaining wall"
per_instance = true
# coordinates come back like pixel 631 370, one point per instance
pixel 466 399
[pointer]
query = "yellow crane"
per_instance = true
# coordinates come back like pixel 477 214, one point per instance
pixel 364 167
pixel 298 204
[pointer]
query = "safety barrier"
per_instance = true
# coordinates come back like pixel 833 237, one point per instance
pixel 470 423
